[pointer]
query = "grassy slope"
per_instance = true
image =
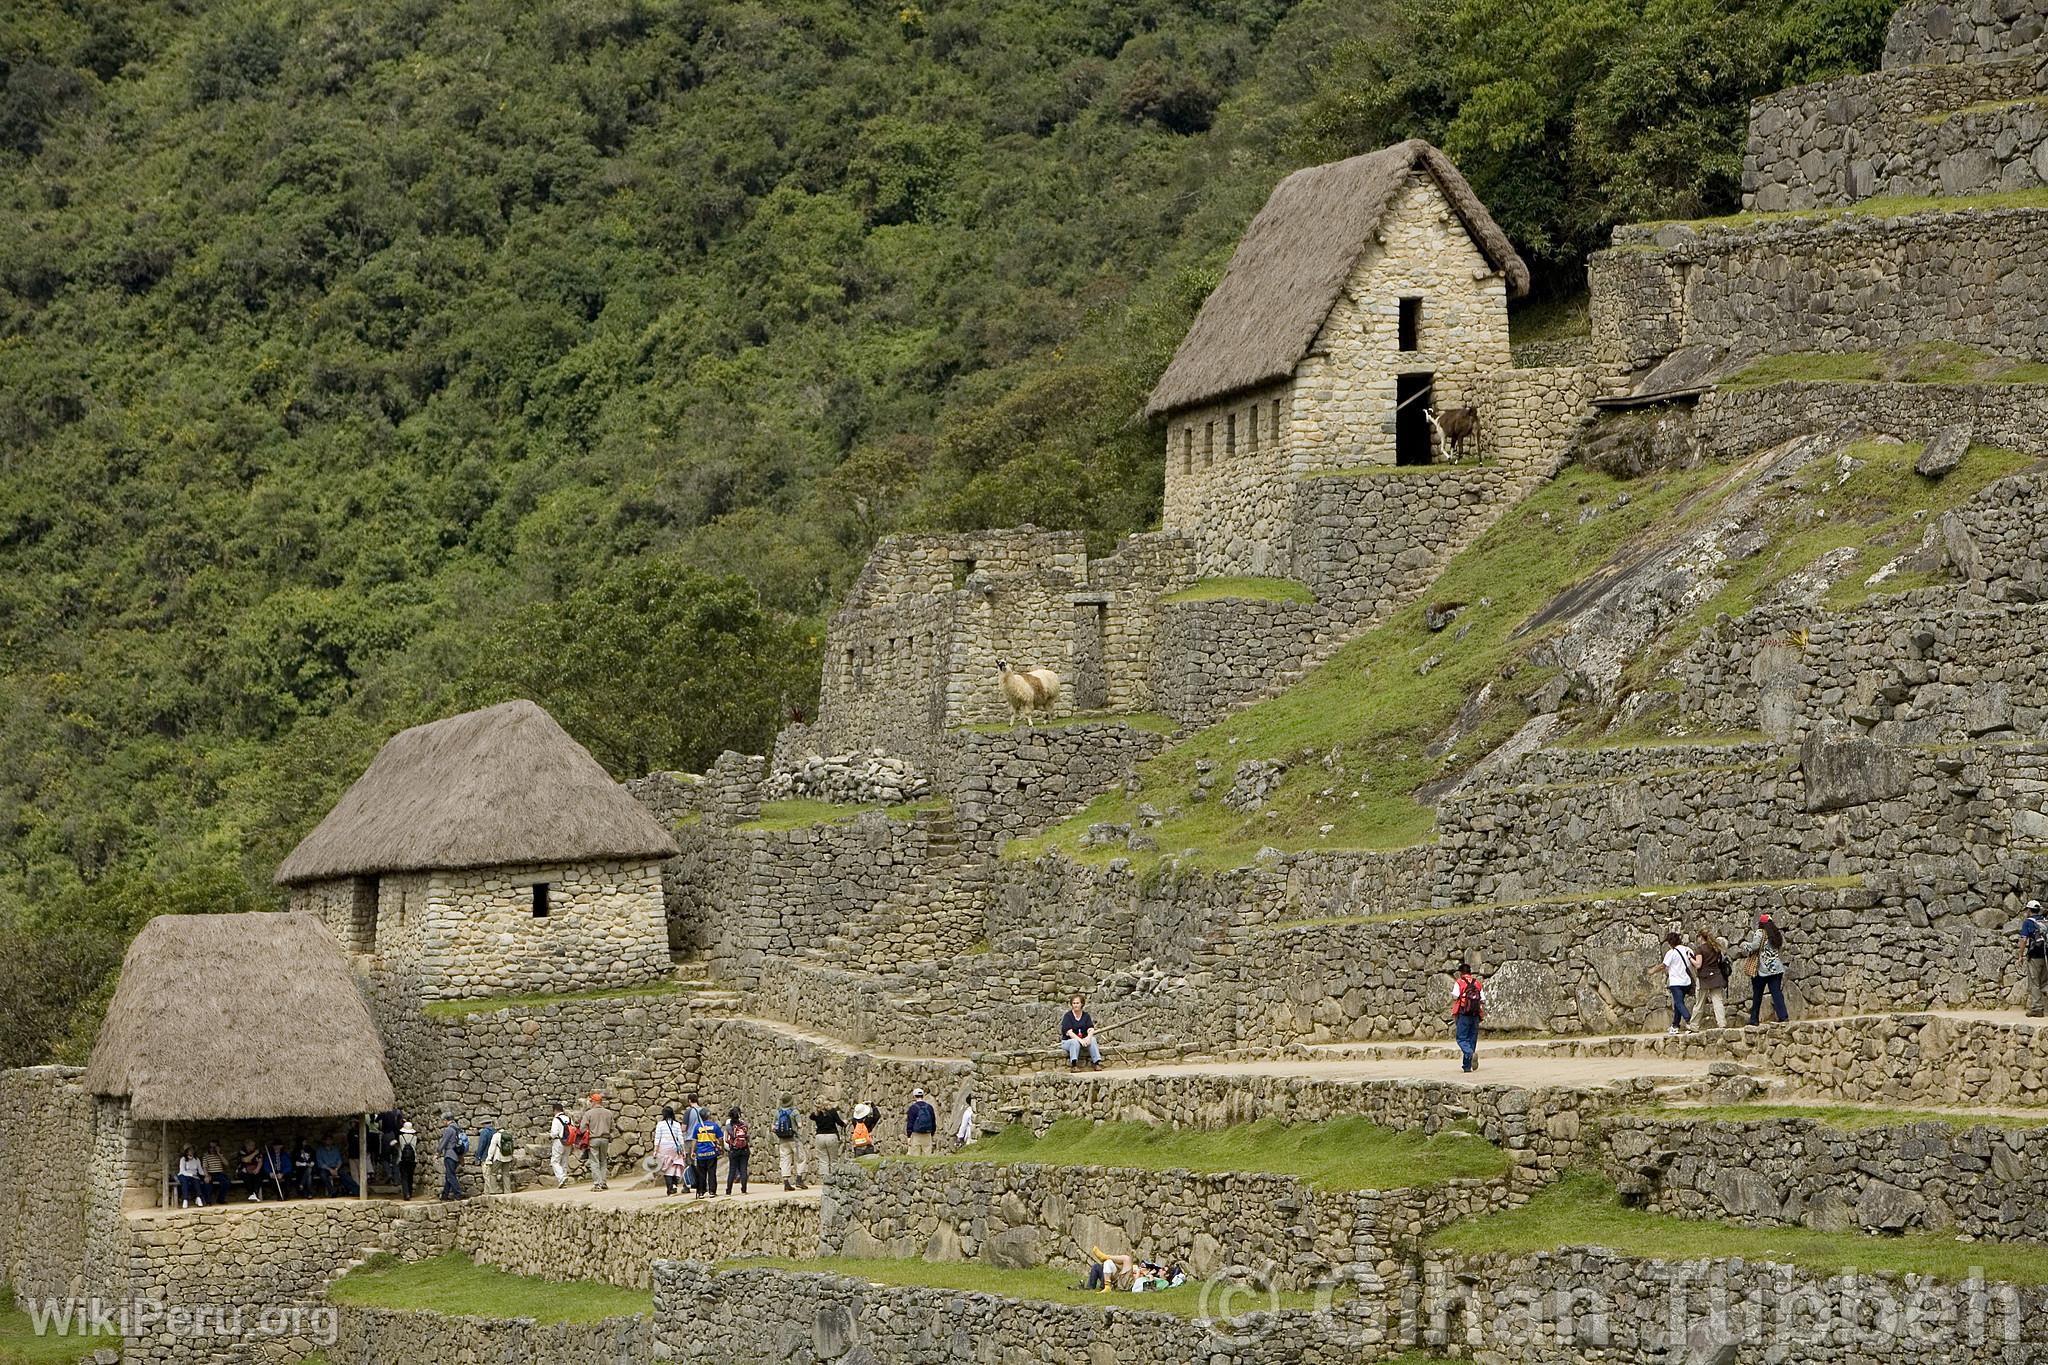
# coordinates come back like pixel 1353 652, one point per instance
pixel 1379 711
pixel 19 1344
pixel 1582 1210
pixel 1342 1154
pixel 452 1283
pixel 1933 363
pixel 1246 589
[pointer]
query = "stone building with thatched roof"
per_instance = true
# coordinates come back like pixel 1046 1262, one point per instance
pixel 487 854
pixel 223 1027
pixel 1365 293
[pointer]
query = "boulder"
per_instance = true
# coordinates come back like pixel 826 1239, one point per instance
pixel 833 1331
pixel 1888 1208
pixel 1944 452
pixel 1844 772
pixel 1016 1249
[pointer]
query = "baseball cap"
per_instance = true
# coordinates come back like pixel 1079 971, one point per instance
pixel 917 1094
pixel 2033 905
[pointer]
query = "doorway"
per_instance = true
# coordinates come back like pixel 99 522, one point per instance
pixel 1411 417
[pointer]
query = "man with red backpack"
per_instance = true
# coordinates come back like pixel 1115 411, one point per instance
pixel 1468 1007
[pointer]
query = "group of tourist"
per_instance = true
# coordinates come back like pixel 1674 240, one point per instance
pixel 300 1169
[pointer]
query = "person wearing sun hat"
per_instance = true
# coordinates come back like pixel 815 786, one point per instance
pixel 600 1123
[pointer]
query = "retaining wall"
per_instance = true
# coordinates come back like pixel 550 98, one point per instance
pixel 1938 31
pixel 44 1149
pixel 1732 424
pixel 385 1336
pixel 575 1241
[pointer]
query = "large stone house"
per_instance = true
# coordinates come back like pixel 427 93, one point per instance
pixel 486 854
pixel 1365 292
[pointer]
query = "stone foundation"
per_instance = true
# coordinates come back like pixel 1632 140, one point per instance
pixel 572 1241
pixel 385 1336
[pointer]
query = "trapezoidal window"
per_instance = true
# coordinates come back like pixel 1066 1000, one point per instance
pixel 1187 449
pixel 1230 435
pixel 1411 324
pixel 540 900
pixel 1208 444
pixel 1251 429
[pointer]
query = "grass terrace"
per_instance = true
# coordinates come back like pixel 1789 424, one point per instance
pixel 1244 589
pixel 1846 1118
pixel 452 1283
pixel 1928 363
pixel 1619 893
pixel 1045 1284
pixel 1340 1154
pixel 21 1345
pixel 1583 1210
pixel 459 1009
pixel 1138 720
pixel 1882 206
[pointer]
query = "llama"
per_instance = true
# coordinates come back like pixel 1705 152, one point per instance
pixel 1029 692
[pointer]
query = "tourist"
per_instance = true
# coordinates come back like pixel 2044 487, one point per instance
pixel 454 1145
pixel 277 1170
pixel 2034 958
pixel 388 1124
pixel 600 1123
pixel 669 1152
pixel 191 1179
pixel 964 1133
pixel 1677 969
pixel 1711 977
pixel 408 1156
pixel 215 1165
pixel 825 1124
pixel 1468 1007
pixel 1765 951
pixel 920 1126
pixel 863 1135
pixel 1104 1269
pixel 738 1150
pixel 693 1114
pixel 332 1168
pixel 304 1171
pixel 496 1162
pixel 789 1147
pixel 1077 1031
pixel 249 1166
pixel 558 1144
pixel 706 1138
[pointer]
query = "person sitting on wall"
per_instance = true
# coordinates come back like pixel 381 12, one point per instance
pixel 1077 1030
pixel 277 1171
pixel 249 1166
pixel 333 1169
pixel 304 1171
pixel 191 1179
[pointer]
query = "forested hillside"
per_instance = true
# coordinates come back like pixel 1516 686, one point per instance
pixel 359 362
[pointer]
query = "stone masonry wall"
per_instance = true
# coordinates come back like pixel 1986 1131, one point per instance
pixel 1367 542
pixel 1565 1307
pixel 1018 781
pixel 1227 467
pixel 1982 1183
pixel 1937 32
pixel 1733 423
pixel 573 1241
pixel 1214 656
pixel 44 1149
pixel 1977 278
pixel 380 1336
pixel 479 936
pixel 1994 541
pixel 1921 131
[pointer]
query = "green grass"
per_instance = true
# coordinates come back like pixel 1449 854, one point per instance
pixel 457 1009
pixel 1246 589
pixel 1582 1210
pixel 1050 1284
pixel 799 812
pixel 1980 107
pixel 451 1283
pixel 1340 1154
pixel 1884 206
pixel 1560 318
pixel 19 1344
pixel 1840 1117
pixel 1619 893
pixel 1138 720
pixel 1929 363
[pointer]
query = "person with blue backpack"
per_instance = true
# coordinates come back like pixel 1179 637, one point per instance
pixel 789 1146
pixel 2034 958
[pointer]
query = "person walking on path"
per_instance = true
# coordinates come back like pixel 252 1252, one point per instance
pixel 789 1146
pixel 1711 975
pixel 452 1147
pixel 1468 1007
pixel 600 1123
pixel 920 1126
pixel 964 1133
pixel 408 1157
pixel 706 1138
pixel 1077 1031
pixel 2034 958
pixel 670 1157
pixel 693 1114
pixel 1765 951
pixel 497 1164
pixel 1677 969
pixel 739 1150
pixel 826 1123
pixel 558 1144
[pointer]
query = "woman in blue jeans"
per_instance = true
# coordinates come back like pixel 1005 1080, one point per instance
pixel 1677 967
pixel 1468 1007
pixel 1766 943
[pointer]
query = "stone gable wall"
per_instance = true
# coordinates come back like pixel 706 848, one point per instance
pixel 478 934
pixel 45 1150
pixel 1936 32
pixel 1732 423
pixel 1982 1183
pixel 378 1336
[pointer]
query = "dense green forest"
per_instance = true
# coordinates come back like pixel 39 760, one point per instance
pixel 360 362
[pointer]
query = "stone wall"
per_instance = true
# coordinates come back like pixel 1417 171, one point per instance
pixel 1733 423
pixel 1035 1214
pixel 1214 656
pixel 1934 32
pixel 1976 278
pixel 1994 540
pixel 1018 781
pixel 575 1241
pixel 481 935
pixel 1368 541
pixel 45 1149
pixel 1921 131
pixel 747 1315
pixel 1982 1183
pixel 1564 1307
pixel 383 1336
pixel 1227 471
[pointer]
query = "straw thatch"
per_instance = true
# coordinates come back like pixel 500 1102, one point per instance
pixel 1293 260
pixel 252 1016
pixel 487 788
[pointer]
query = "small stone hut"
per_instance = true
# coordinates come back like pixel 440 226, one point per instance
pixel 1365 292
pixel 488 854
pixel 225 1027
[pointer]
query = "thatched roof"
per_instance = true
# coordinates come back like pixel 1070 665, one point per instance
pixel 252 1016
pixel 483 789
pixel 1293 260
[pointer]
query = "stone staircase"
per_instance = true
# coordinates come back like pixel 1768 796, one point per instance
pixel 707 993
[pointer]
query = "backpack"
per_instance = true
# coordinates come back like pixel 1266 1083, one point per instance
pixel 1469 999
pixel 462 1144
pixel 785 1123
pixel 575 1136
pixel 736 1137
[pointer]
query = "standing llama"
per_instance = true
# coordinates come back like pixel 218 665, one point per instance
pixel 1029 692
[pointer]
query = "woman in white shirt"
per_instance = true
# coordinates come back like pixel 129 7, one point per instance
pixel 671 1156
pixel 191 1179
pixel 1677 967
